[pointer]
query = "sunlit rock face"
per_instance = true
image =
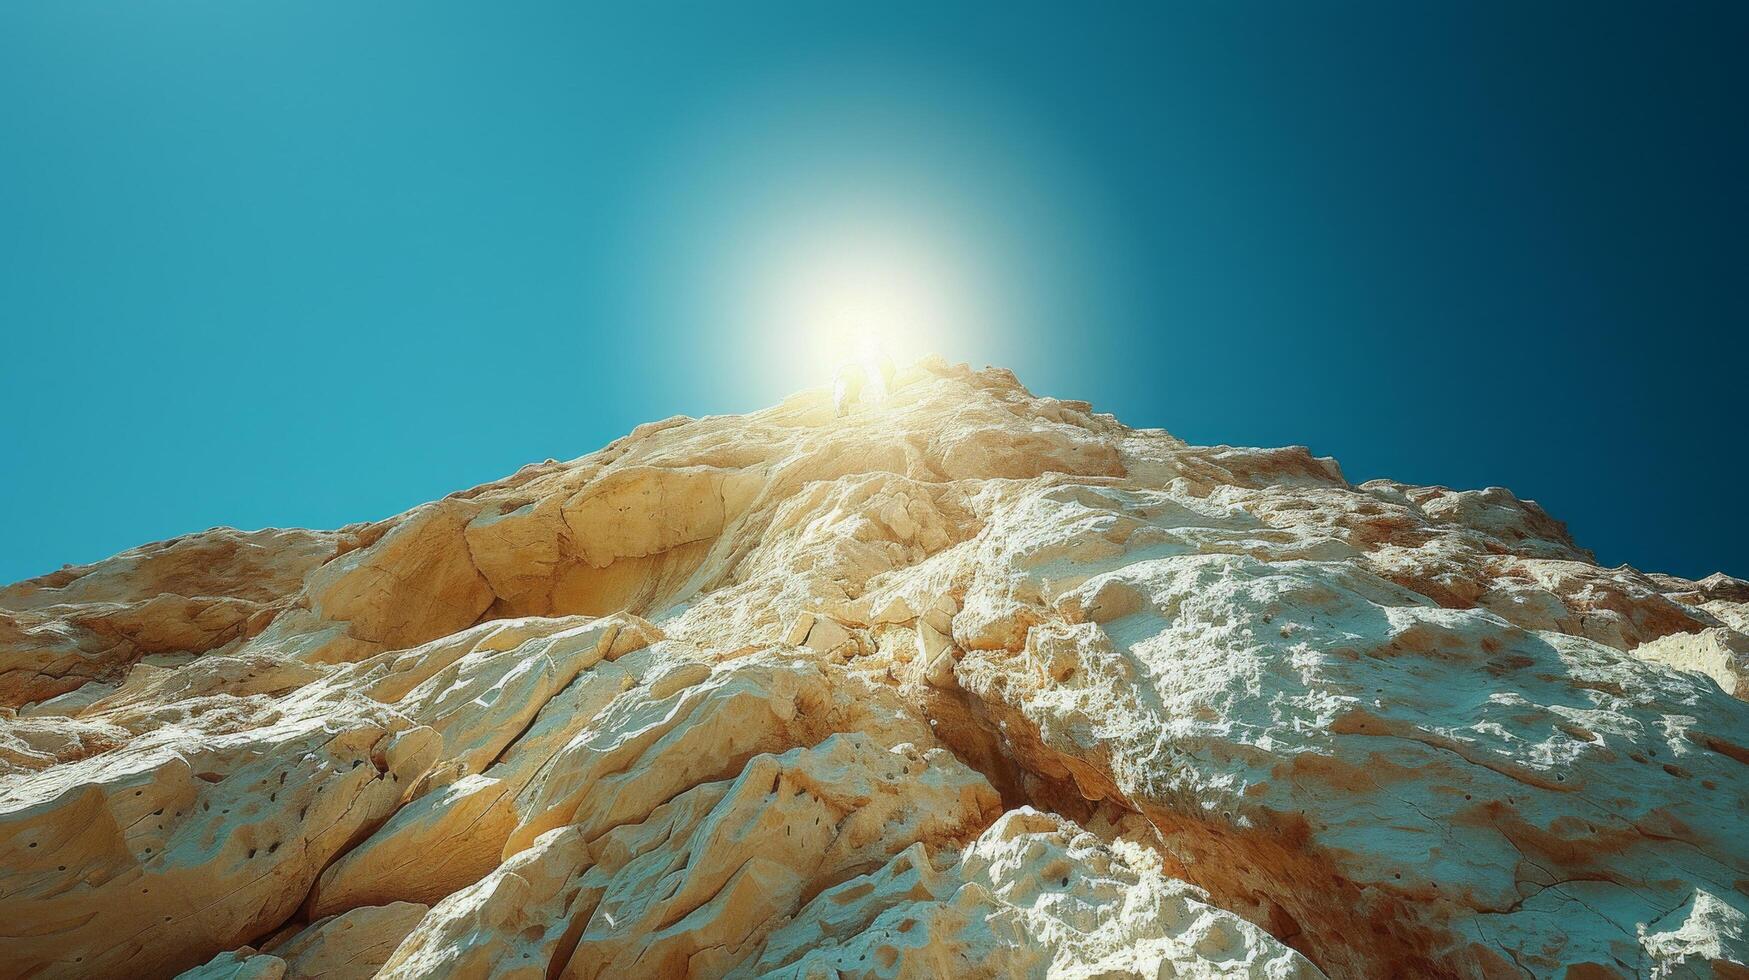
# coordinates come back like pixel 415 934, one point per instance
pixel 965 683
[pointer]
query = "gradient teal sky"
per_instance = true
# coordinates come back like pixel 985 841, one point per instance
pixel 314 263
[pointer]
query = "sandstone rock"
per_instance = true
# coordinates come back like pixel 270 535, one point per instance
pixel 1720 653
pixel 965 682
pixel 200 835
pixel 189 595
pixel 1702 931
pixel 1033 896
pixel 351 946
pixel 239 964
pixel 454 835
pixel 1475 793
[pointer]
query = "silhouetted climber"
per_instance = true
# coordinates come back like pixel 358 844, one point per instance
pixel 868 373
pixel 847 387
pixel 883 365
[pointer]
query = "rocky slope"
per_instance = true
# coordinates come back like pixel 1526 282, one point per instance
pixel 967 683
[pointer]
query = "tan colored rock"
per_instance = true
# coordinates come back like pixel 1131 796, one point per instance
pixel 36 742
pixel 452 836
pixel 198 836
pixel 638 511
pixel 512 923
pixel 1720 653
pixel 240 964
pixel 351 946
pixel 418 582
pixel 964 682
pixel 1034 896
pixel 1469 785
pixel 186 595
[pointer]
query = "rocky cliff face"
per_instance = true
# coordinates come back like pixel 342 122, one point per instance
pixel 967 683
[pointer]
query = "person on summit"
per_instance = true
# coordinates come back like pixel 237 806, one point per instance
pixel 847 387
pixel 883 366
pixel 870 368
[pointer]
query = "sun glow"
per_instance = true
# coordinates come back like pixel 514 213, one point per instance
pixel 802 228
pixel 860 290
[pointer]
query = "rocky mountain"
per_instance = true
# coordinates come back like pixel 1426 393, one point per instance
pixel 965 683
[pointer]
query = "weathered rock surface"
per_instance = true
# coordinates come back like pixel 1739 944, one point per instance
pixel 965 683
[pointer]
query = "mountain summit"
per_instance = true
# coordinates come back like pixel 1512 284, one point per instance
pixel 964 682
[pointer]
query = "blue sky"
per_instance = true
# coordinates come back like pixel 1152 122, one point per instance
pixel 314 263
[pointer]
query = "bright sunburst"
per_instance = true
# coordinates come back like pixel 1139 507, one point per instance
pixel 812 226
pixel 851 290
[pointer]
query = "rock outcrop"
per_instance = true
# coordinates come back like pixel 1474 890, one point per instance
pixel 966 682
